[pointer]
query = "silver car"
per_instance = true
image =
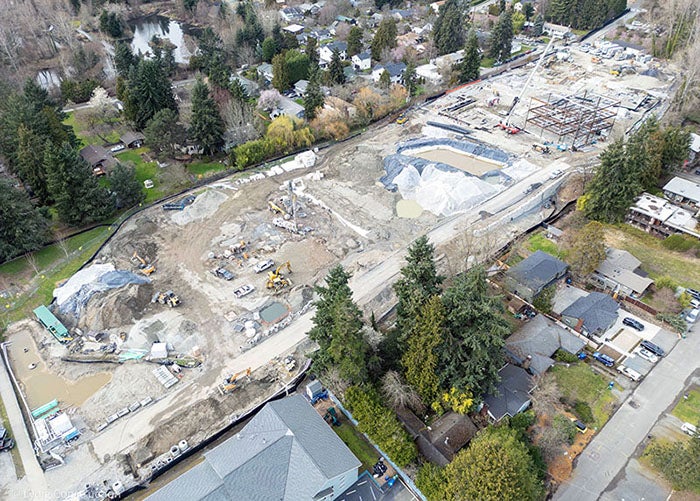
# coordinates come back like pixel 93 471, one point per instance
pixel 647 355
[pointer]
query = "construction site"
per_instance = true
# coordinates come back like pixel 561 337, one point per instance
pixel 197 311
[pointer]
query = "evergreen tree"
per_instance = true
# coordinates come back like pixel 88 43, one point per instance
pixel 384 38
pixel 280 73
pixel 613 188
pixel 219 72
pixel 385 80
pixel 338 328
pixel 588 249
pixel 237 90
pixel 495 466
pixel 502 37
pixel 269 49
pixel 420 359
pixel 475 335
pixel 419 282
pixel 559 11
pixel 78 196
pixel 528 11
pixel 297 65
pixel 448 31
pixel 252 31
pixel 125 187
pixel 278 37
pixel 22 227
pixel 149 92
pixel 123 58
pixel 312 51
pixel 313 97
pixel 354 41
pixel 163 131
pixel 470 68
pixel 409 79
pixel 538 26
pixel 206 127
pixel 336 74
pixel 30 163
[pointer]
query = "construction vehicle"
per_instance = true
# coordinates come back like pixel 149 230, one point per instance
pixel 180 204
pixel 145 267
pixel 275 279
pixel 276 208
pixel 402 119
pixel 167 297
pixel 232 382
pixel 596 60
pixel 541 149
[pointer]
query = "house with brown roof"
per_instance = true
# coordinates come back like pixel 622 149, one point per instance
pixel 132 139
pixel 99 158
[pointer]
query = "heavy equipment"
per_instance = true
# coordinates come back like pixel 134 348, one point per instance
pixel 276 208
pixel 275 279
pixel 145 267
pixel 232 382
pixel 167 297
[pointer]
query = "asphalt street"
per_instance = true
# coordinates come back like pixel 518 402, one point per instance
pixel 609 452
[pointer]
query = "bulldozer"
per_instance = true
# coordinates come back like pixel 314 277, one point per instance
pixel 145 267
pixel 231 382
pixel 275 279
pixel 167 297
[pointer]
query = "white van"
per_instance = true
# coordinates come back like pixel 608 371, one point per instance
pixel 692 316
pixel 690 429
pixel 630 373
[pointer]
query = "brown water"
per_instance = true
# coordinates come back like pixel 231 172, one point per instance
pixel 40 385
pixel 462 161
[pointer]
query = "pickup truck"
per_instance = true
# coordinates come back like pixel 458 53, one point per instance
pixel 243 291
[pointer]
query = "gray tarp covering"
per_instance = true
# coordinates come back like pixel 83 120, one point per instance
pixel 110 280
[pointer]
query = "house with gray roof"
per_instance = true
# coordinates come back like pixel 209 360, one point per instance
pixel 534 274
pixel 683 191
pixel 533 345
pixel 395 71
pixel 621 273
pixel 287 452
pixel 591 315
pixel 512 396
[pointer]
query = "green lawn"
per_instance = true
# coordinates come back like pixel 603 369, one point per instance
pixel 689 410
pixel 656 260
pixel 143 170
pixel 79 128
pixel 201 169
pixel 539 241
pixel 580 382
pixel 357 443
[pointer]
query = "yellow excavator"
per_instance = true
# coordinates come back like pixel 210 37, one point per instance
pixel 275 279
pixel 146 268
pixel 231 382
pixel 276 208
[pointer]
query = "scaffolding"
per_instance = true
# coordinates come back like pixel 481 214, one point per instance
pixel 578 119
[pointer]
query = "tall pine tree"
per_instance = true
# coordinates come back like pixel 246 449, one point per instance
pixel 280 73
pixel 354 41
pixel 149 91
pixel 313 97
pixel 384 38
pixel 502 37
pixel 448 31
pixel 206 127
pixel 470 68
pixel 336 75
pixel 22 227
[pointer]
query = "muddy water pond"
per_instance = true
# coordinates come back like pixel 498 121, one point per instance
pixel 467 163
pixel 40 385
pixel 146 27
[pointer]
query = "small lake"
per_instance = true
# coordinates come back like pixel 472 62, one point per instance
pixel 146 27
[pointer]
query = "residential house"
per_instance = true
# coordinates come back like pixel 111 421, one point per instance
pixel 309 9
pixel 291 14
pixel 430 73
pixel 533 345
pixel 395 71
pixel 436 6
pixel 265 71
pixel 591 315
pixel 401 14
pixel 533 274
pixel 132 139
pixel 294 29
pixel 556 29
pixel 288 107
pixel 325 52
pixel 251 88
pixel 694 146
pixel 362 61
pixel 661 218
pixel 286 452
pixel 300 87
pixel 512 395
pixel 621 274
pixel 683 192
pixel 449 60
pixel 99 159
pixel 345 19
pixel 321 34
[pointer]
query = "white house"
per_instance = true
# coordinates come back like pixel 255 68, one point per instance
pixel 325 53
pixel 362 61
pixel 294 29
pixel 395 71
pixel 291 14
pixel 300 87
pixel 430 72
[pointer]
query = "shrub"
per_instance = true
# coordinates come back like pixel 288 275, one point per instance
pixel 565 427
pixel 674 320
pixel 432 482
pixel 380 424
pixel 78 91
pixel 668 282
pixel 679 243
pixel 583 412
pixel 523 421
pixel 564 356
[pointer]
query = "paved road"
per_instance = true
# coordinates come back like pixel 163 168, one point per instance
pixel 612 448
pixel 33 471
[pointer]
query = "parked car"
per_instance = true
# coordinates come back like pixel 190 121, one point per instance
pixel 656 350
pixel 580 425
pixel 630 373
pixel 690 429
pixel 556 174
pixel 635 324
pixel 604 359
pixel 243 291
pixel 692 316
pixel 533 187
pixel 263 265
pixel 694 293
pixel 647 355
pixel 6 442
pixel 222 273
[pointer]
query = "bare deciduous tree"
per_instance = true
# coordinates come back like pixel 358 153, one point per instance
pixel 399 394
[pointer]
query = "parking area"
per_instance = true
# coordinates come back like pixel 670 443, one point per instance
pixel 649 332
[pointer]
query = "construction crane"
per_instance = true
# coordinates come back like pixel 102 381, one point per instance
pixel 275 279
pixel 506 126
pixel 231 382
pixel 145 267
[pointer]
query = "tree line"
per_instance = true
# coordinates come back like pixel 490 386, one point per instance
pixel 584 14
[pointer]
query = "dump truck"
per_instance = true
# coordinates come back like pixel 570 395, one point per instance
pixel 167 297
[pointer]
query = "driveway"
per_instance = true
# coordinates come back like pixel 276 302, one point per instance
pixel 610 451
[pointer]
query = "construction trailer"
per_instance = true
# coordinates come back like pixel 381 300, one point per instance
pixel 577 119
pixel 52 324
